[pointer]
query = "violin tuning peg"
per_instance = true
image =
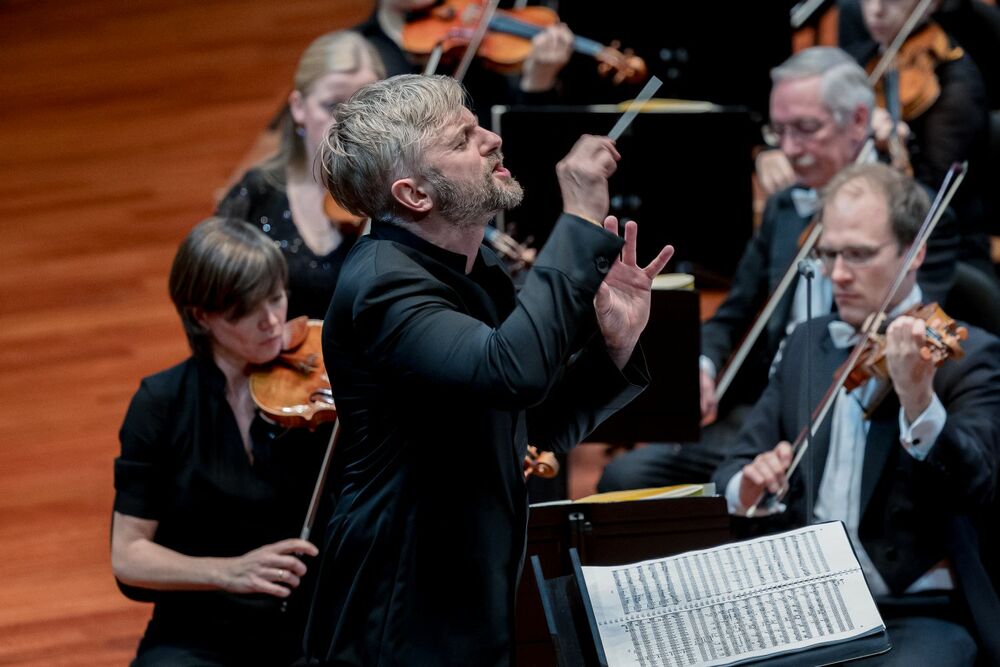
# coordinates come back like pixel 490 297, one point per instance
pixel 962 333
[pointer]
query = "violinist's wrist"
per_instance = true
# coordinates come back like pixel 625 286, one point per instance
pixel 216 573
pixel 916 403
pixel 538 78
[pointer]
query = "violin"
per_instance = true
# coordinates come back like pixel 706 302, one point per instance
pixel 294 389
pixel 916 61
pixel 940 338
pixel 540 464
pixel 520 256
pixel 507 43
pixel 942 341
pixel 348 223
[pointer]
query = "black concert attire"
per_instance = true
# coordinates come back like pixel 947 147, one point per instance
pixel 443 378
pixel 311 277
pixel 912 507
pixel 183 465
pixel 764 262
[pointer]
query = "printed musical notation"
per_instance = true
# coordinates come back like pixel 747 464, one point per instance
pixel 736 602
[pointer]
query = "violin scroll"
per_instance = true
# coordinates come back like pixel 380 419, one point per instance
pixel 540 464
pixel 622 66
pixel 450 26
pixel 348 223
pixel 521 256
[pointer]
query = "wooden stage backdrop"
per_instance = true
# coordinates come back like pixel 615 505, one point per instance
pixel 119 122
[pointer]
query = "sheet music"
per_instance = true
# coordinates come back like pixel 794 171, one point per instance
pixel 775 594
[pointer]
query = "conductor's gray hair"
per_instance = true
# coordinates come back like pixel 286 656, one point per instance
pixel 379 136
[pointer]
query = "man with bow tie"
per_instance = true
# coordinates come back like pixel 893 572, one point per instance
pixel 911 481
pixel 821 109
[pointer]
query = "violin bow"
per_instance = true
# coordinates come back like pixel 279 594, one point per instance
pixel 324 471
pixel 865 154
pixel 733 366
pixel 944 195
pixel 918 14
pixel 477 38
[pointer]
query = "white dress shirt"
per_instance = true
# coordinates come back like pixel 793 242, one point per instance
pixel 839 496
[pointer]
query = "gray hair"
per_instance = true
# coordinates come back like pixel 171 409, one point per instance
pixel 379 136
pixel 906 200
pixel 843 84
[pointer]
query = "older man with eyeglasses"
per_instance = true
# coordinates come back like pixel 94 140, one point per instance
pixel 821 109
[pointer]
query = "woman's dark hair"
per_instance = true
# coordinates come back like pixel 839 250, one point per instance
pixel 223 266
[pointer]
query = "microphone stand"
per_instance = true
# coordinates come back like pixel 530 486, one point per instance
pixel 808 272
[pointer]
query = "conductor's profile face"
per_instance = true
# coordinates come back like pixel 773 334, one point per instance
pixel 465 166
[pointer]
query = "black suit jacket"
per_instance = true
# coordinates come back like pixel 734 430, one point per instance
pixel 764 262
pixel 441 380
pixel 907 506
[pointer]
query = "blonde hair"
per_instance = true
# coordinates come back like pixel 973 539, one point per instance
pixel 334 52
pixel 379 136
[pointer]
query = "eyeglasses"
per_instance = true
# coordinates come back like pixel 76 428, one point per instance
pixel 801 129
pixel 852 255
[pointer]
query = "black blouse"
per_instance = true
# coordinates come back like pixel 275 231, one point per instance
pixel 183 464
pixel 312 277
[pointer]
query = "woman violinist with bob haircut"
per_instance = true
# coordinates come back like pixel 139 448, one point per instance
pixel 207 492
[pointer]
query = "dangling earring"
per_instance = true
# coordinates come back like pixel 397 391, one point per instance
pixel 299 130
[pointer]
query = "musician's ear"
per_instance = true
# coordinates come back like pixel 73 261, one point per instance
pixel 918 259
pixel 413 194
pixel 861 119
pixel 197 316
pixel 297 107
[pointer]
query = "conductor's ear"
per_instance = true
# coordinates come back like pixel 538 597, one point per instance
pixel 413 194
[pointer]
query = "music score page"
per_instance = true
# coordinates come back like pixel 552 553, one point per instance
pixel 733 603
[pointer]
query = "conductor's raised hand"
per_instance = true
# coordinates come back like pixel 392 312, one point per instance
pixel 583 176
pixel 273 569
pixel 622 302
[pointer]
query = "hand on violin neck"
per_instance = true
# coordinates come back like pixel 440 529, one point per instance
pixel 551 49
pixel 910 369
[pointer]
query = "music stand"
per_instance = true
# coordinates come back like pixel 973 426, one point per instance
pixel 684 176
pixel 606 534
pixel 669 409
